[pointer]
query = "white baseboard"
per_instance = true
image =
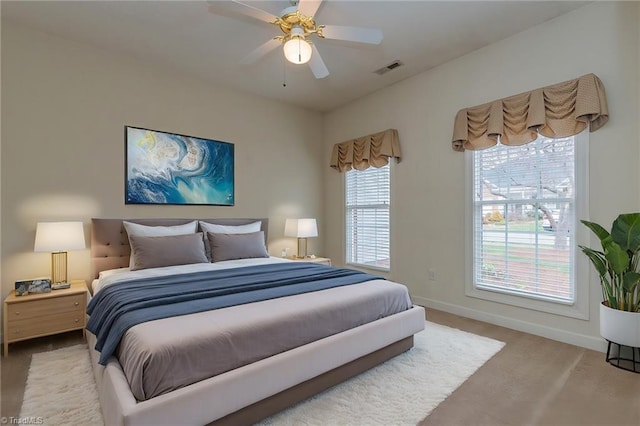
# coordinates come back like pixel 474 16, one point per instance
pixel 583 340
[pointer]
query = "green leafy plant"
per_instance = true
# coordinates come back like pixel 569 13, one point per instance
pixel 618 262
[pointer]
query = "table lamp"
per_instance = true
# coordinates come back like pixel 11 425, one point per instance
pixel 301 229
pixel 57 238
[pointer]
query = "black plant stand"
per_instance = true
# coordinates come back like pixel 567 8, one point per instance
pixel 624 357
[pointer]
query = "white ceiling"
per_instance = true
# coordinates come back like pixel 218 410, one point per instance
pixel 184 36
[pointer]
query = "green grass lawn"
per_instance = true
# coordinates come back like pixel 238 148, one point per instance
pixel 515 226
pixel 548 258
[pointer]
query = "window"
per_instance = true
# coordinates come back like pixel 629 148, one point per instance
pixel 526 207
pixel 368 194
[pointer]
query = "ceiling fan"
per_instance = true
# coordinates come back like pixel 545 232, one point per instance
pixel 298 26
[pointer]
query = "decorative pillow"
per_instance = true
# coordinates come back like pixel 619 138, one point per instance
pixel 207 227
pixel 155 252
pixel 157 231
pixel 237 246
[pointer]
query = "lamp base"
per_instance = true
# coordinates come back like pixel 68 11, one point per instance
pixel 59 267
pixel 302 248
pixel 60 286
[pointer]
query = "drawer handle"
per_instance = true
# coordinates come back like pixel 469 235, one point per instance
pixel 76 304
pixel 77 320
pixel 17 313
pixel 17 331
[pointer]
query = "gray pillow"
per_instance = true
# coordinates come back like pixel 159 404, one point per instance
pixel 157 231
pixel 226 229
pixel 237 246
pixel 155 252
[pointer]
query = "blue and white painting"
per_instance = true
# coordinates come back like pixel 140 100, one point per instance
pixel 167 168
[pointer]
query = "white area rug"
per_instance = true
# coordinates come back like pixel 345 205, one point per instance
pixel 402 391
pixel 61 389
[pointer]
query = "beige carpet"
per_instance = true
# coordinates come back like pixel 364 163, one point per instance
pixel 60 387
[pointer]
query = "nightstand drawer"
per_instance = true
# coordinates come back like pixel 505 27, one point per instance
pixel 26 329
pixel 49 306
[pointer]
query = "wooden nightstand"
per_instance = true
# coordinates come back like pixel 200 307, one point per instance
pixel 36 315
pixel 322 260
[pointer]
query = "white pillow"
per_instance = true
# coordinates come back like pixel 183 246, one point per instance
pixel 108 272
pixel 231 229
pixel 157 231
pixel 205 227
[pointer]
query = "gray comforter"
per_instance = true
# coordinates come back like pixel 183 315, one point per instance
pixel 122 305
pixel 165 354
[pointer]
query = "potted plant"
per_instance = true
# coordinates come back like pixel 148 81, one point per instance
pixel 618 264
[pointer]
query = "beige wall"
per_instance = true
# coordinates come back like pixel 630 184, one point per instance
pixel 428 201
pixel 64 108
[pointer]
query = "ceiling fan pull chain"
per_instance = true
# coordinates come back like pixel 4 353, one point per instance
pixel 284 74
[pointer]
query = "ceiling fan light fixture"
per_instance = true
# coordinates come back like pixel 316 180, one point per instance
pixel 297 49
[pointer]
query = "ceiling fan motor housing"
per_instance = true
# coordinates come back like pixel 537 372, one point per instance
pixel 291 19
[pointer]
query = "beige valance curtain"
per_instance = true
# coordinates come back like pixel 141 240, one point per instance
pixel 560 110
pixel 367 151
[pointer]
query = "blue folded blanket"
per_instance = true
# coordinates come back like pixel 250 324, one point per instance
pixel 120 306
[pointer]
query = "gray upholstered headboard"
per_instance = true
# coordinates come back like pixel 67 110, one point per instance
pixel 110 245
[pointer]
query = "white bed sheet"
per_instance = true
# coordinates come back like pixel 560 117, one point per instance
pixel 112 276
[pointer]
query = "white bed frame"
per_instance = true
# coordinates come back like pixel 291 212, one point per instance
pixel 250 393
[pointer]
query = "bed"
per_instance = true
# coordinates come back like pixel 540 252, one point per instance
pixel 248 386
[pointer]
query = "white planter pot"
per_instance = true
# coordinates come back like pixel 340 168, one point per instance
pixel 620 326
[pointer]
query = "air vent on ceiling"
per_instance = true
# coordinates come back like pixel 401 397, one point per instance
pixel 393 65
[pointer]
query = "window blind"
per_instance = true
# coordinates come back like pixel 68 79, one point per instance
pixel 368 194
pixel 524 219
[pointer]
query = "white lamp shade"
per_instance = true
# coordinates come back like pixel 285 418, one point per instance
pixel 59 236
pixel 297 50
pixel 301 228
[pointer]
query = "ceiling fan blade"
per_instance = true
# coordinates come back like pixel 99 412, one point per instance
pixel 318 68
pixel 261 51
pixel 309 7
pixel 243 9
pixel 356 34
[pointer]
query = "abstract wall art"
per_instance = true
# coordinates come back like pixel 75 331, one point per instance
pixel 169 168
